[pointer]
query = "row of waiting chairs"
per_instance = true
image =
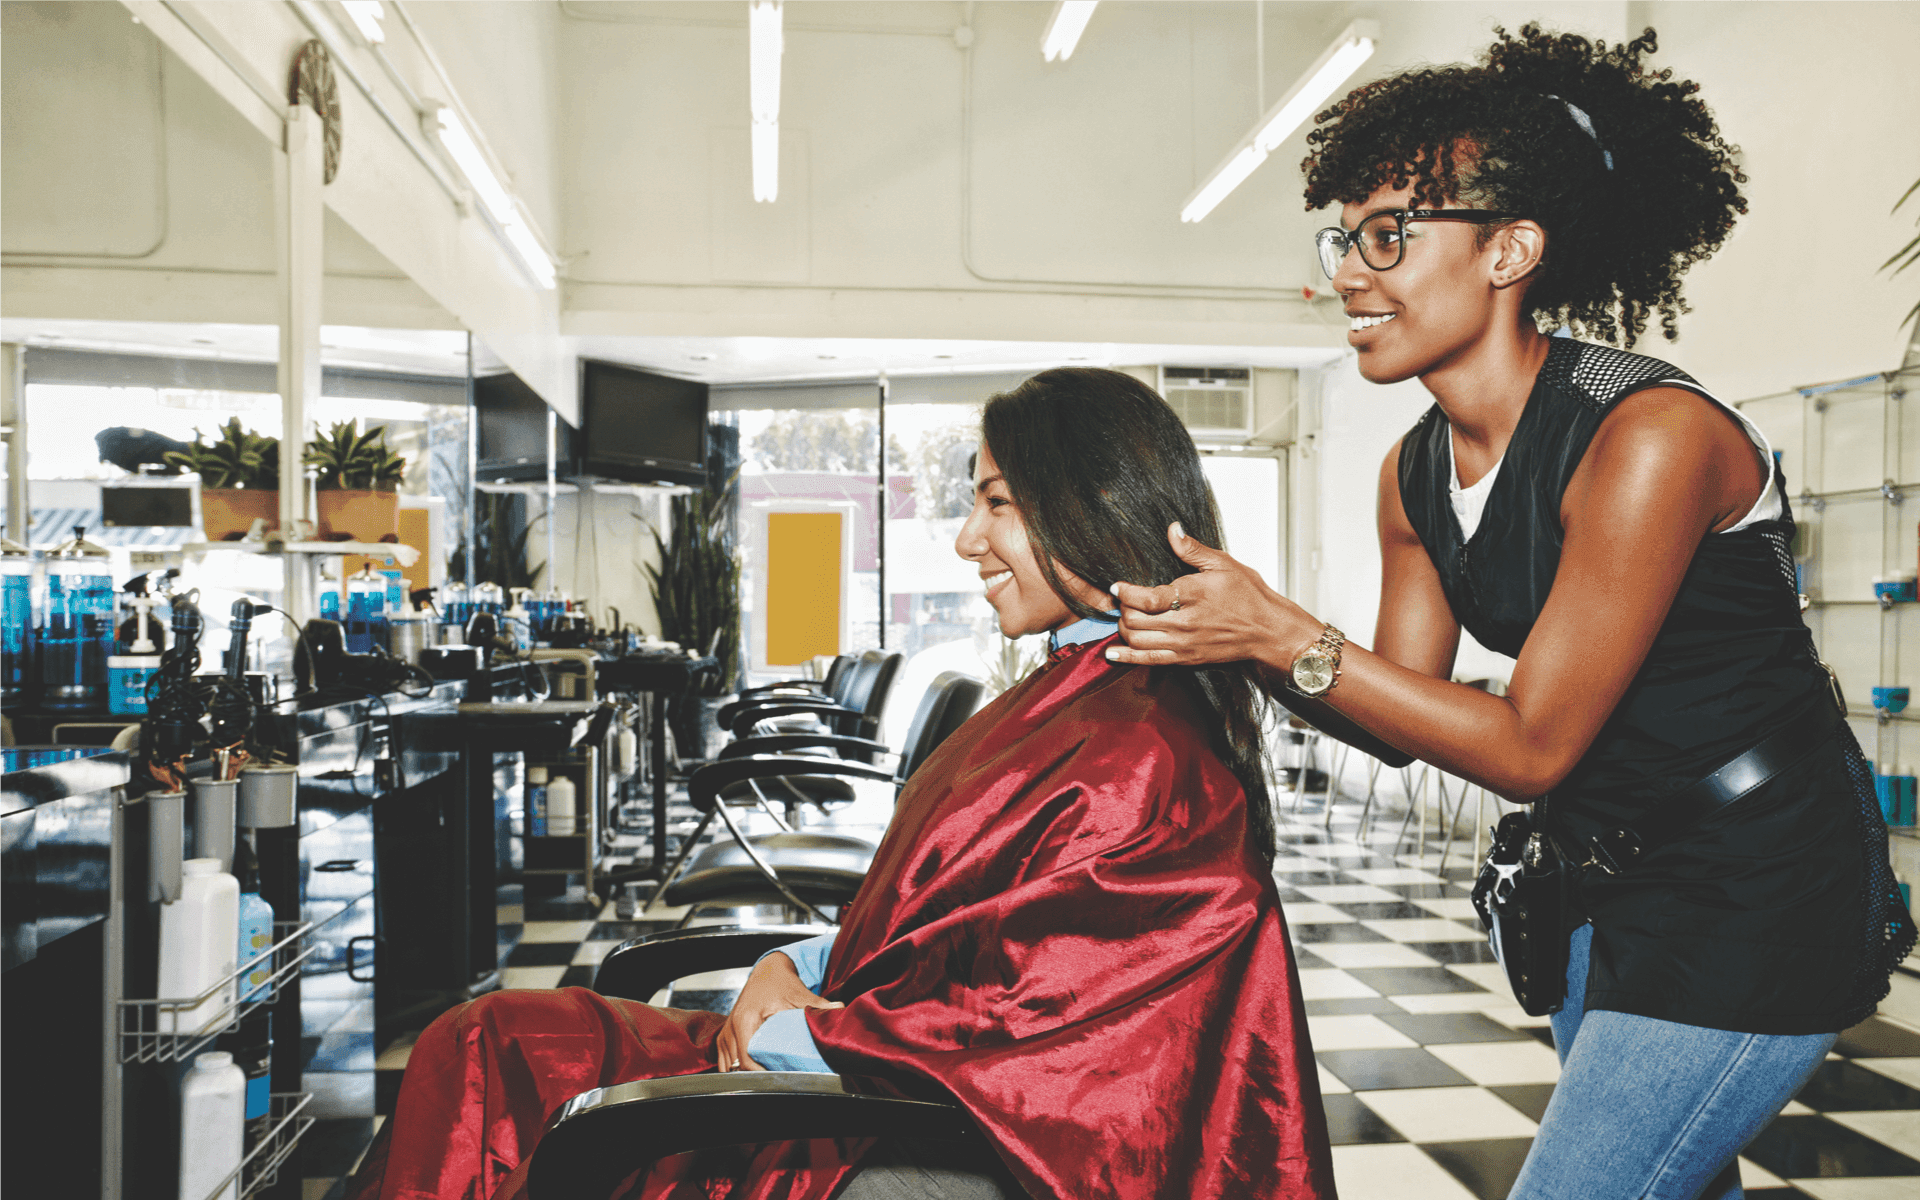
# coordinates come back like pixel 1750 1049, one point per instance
pixel 805 745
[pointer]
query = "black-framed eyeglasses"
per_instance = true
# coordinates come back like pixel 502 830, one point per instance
pixel 1382 237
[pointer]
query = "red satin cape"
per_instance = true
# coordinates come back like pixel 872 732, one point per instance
pixel 1064 929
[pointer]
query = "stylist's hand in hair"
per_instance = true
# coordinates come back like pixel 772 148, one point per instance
pixel 1226 613
pixel 773 987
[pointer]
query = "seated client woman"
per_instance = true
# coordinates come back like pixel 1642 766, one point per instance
pixel 1070 927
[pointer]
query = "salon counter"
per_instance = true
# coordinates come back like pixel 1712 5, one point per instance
pixel 56 830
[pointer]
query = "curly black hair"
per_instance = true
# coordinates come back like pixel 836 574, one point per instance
pixel 1500 135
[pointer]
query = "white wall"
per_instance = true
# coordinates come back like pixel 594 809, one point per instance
pixel 133 191
pixel 602 545
pixel 1821 98
pixel 503 59
pixel 217 155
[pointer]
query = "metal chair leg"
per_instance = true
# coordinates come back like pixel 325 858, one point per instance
pixel 1304 770
pixel 1413 802
pixel 1453 823
pixel 1339 767
pixel 1374 767
pixel 680 860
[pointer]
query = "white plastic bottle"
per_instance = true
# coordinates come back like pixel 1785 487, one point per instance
pixel 213 1114
pixel 536 802
pixel 626 751
pixel 199 940
pixel 561 807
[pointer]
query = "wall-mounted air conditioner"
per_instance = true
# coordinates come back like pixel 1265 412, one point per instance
pixel 1215 403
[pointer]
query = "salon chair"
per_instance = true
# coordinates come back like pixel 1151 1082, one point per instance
pixel 855 712
pixel 832 687
pixel 603 1136
pixel 801 870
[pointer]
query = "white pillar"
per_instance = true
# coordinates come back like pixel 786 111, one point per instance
pixel 13 414
pixel 299 229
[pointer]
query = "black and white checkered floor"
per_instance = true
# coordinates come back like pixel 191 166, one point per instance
pixel 1434 1079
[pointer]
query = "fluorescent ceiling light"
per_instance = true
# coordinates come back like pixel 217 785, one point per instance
pixel 1064 27
pixel 1353 47
pixel 367 15
pixel 531 252
pixel 764 46
pixel 494 197
pixel 473 164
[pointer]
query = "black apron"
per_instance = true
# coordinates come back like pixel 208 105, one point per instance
pixel 1771 916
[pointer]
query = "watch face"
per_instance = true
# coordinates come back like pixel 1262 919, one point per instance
pixel 1313 672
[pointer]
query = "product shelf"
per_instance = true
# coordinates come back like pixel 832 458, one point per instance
pixel 401 552
pixel 142 1038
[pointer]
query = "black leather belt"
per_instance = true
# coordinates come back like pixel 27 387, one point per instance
pixel 1617 849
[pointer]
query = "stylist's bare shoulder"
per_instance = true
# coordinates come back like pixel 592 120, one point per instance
pixel 1671 443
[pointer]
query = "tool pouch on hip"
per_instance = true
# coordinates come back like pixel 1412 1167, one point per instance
pixel 1522 896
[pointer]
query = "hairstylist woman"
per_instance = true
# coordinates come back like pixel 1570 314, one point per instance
pixel 1600 516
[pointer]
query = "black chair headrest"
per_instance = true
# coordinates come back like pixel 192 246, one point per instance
pixel 948 702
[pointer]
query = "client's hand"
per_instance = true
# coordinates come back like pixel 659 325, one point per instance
pixel 1226 613
pixel 773 987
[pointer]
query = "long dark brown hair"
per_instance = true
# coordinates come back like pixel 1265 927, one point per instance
pixel 1098 467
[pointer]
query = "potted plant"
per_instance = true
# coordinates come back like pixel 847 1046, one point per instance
pixel 696 589
pixel 358 496
pixel 239 480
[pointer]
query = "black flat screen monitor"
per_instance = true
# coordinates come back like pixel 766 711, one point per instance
pixel 511 421
pixel 638 427
pixel 146 504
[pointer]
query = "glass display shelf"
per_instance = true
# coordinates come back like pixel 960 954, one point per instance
pixel 401 552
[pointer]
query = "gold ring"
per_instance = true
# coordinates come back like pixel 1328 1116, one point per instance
pixel 1175 606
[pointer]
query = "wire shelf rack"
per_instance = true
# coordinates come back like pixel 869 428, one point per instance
pixel 152 1030
pixel 261 1167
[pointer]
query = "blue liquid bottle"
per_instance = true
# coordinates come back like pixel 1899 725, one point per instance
pixel 489 598
pixel 76 635
pixel 16 623
pixel 366 611
pixel 455 608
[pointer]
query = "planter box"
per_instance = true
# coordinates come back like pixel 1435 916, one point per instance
pixel 351 515
pixel 226 514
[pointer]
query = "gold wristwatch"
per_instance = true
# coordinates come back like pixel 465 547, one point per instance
pixel 1318 667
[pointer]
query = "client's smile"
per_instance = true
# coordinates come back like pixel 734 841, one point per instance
pixel 993 581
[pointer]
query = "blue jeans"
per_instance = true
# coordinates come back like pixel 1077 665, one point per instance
pixel 1655 1110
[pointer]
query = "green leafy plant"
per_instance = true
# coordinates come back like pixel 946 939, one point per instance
pixel 1906 256
pixel 696 586
pixel 352 460
pixel 500 535
pixel 238 458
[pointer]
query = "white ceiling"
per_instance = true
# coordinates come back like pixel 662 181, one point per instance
pixel 712 360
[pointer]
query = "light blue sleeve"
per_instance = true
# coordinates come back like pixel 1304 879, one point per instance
pixel 809 958
pixel 784 1043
